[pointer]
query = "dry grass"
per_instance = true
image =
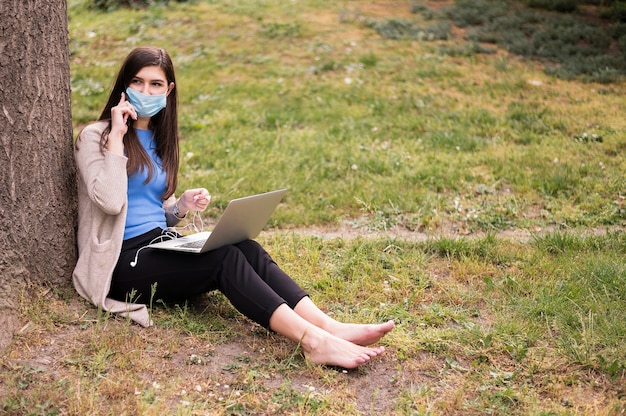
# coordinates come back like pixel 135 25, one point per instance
pixel 458 348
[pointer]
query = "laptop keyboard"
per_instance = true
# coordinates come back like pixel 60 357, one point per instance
pixel 193 244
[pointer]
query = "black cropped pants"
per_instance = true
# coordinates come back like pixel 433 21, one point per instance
pixel 244 272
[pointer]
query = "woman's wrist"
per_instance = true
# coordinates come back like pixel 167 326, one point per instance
pixel 115 143
pixel 179 212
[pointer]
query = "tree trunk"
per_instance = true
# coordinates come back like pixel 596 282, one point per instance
pixel 37 173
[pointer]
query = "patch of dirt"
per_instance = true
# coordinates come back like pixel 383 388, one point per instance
pixel 519 235
pixel 177 367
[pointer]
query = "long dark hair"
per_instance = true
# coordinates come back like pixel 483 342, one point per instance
pixel 164 124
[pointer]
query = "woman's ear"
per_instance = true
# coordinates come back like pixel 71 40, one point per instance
pixel 170 88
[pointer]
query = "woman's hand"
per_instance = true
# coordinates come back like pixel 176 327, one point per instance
pixel 119 127
pixel 197 199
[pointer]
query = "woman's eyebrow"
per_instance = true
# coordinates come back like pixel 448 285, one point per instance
pixel 152 80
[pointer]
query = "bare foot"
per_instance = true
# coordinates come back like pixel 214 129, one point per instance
pixel 323 348
pixel 363 334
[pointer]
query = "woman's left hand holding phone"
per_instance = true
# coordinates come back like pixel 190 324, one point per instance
pixel 120 115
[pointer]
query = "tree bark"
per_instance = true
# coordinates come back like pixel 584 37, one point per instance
pixel 37 173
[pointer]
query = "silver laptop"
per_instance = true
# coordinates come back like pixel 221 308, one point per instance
pixel 243 218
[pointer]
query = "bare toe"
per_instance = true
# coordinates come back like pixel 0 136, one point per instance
pixel 364 334
pixel 326 349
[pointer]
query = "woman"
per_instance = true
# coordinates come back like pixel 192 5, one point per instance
pixel 128 166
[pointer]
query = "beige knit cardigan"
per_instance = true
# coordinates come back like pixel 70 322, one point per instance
pixel 102 205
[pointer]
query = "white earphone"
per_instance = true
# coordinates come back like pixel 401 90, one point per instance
pixel 170 235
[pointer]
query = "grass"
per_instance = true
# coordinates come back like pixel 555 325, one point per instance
pixel 436 154
pixel 578 45
pixel 484 326
pixel 408 117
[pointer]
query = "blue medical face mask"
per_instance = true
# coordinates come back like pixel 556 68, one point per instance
pixel 146 105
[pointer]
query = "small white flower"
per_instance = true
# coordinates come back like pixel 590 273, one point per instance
pixel 457 203
pixel 198 388
pixel 347 80
pixel 354 167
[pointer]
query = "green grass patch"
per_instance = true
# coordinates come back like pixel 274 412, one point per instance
pixel 569 44
pixel 350 120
